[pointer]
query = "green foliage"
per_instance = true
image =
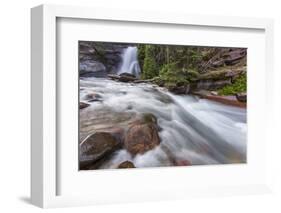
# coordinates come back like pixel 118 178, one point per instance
pixel 170 65
pixel 239 85
pixel 195 57
pixel 192 75
pixel 141 54
pixel 172 75
pixel 150 67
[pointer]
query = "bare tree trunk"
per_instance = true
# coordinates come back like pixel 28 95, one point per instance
pixel 167 54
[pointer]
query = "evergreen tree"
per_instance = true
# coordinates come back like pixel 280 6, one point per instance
pixel 150 67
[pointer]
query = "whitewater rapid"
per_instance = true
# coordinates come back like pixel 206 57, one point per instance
pixel 191 129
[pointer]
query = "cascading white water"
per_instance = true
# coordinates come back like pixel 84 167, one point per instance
pixel 192 129
pixel 130 62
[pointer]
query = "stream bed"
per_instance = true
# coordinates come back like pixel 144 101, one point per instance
pixel 194 131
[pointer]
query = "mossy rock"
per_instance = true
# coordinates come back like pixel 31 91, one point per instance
pixel 149 118
pixel 214 75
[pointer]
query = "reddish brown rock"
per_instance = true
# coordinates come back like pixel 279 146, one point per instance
pixel 142 135
pixel 227 100
pixel 182 163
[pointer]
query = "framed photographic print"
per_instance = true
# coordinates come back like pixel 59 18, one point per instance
pixel 133 105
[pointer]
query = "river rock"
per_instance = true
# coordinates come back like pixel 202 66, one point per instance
pixel 182 163
pixel 92 97
pixel 149 118
pixel 142 135
pixel 126 74
pixel 113 76
pixel 242 97
pixel 127 77
pixel 95 147
pixel 83 105
pixel 126 164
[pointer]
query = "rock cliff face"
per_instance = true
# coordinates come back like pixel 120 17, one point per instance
pixel 221 69
pixel 219 78
pixel 219 57
pixel 99 59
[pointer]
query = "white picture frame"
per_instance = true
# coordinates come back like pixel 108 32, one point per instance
pixel 44 149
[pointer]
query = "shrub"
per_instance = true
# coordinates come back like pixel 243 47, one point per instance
pixel 172 75
pixel 239 85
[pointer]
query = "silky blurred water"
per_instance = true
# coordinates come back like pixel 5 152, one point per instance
pixel 192 130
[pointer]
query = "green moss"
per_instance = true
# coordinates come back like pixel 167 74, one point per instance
pixel 239 85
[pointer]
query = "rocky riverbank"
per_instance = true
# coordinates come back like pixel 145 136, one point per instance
pixel 196 88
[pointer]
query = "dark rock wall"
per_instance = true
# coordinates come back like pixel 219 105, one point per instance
pixel 98 59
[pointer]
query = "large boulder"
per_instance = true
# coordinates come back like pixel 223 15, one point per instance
pixel 89 68
pixel 142 135
pixel 96 147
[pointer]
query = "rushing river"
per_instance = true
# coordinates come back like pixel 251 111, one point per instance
pixel 191 129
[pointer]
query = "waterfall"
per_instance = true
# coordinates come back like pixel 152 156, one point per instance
pixel 130 62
